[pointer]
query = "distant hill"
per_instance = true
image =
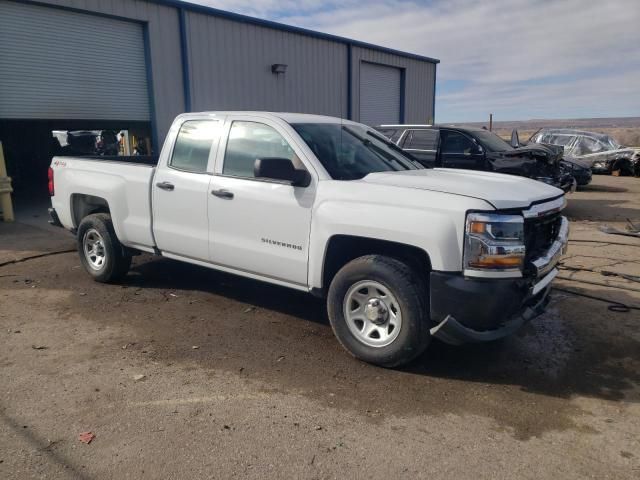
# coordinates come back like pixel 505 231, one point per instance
pixel 581 123
pixel 626 130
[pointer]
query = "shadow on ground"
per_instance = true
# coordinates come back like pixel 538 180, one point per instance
pixel 603 210
pixel 280 340
pixel 603 188
pixel 574 349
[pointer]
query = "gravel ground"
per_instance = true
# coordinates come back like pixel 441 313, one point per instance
pixel 184 372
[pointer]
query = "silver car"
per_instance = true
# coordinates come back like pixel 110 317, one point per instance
pixel 597 151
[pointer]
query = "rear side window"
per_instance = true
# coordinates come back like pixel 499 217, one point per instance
pixel 392 134
pixel 421 140
pixel 193 144
pixel 249 141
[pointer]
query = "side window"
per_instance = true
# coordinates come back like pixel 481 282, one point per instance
pixel 456 143
pixel 193 144
pixel 392 134
pixel 249 141
pixel 588 145
pixel 422 140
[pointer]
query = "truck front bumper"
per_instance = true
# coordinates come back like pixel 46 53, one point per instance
pixel 472 310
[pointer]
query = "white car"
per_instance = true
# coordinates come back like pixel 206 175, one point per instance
pixel 327 206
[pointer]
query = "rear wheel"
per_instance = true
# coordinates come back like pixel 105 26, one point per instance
pixel 377 309
pixel 101 253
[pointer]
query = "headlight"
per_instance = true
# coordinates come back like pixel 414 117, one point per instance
pixel 494 244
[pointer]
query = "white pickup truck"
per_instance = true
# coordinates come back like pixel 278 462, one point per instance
pixel 402 253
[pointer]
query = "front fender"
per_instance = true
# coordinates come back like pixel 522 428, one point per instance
pixel 434 223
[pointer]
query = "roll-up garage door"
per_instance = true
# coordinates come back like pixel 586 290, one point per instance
pixel 380 94
pixel 59 64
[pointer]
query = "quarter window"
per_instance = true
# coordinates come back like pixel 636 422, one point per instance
pixel 193 144
pixel 249 141
pixel 422 140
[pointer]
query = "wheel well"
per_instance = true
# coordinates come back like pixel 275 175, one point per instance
pixel 623 164
pixel 83 205
pixel 344 248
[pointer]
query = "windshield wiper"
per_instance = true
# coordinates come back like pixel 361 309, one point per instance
pixel 370 144
pixel 391 161
pixel 393 146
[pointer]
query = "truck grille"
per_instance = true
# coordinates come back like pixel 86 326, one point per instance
pixel 539 234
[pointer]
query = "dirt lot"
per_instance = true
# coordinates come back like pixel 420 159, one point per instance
pixel 243 380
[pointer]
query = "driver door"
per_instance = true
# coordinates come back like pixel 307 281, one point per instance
pixel 457 150
pixel 259 226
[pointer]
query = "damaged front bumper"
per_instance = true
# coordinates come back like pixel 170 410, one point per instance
pixel 485 328
pixel 469 310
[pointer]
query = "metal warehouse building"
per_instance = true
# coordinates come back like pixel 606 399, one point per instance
pixel 133 65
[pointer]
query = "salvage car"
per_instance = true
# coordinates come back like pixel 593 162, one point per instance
pixel 471 148
pixel 582 175
pixel 402 253
pixel 599 152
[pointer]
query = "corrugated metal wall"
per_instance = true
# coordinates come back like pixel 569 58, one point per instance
pixel 163 31
pixel 231 68
pixel 230 65
pixel 63 65
pixel 419 81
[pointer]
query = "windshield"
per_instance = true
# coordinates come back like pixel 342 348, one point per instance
pixel 613 144
pixel 491 141
pixel 351 152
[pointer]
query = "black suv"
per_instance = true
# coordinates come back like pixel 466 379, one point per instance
pixel 479 149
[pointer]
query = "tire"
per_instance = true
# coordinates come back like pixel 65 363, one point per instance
pixel 101 253
pixel 369 286
pixel 623 166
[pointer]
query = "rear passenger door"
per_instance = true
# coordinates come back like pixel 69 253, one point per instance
pixel 458 150
pixel 422 145
pixel 180 190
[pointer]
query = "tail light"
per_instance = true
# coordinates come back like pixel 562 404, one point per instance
pixel 50 183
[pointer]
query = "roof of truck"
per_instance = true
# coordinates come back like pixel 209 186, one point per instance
pixel 286 116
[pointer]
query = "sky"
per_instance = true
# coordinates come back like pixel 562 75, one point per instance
pixel 517 59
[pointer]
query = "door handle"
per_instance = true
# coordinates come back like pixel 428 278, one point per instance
pixel 222 193
pixel 165 186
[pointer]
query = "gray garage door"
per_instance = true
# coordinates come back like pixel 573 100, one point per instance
pixel 380 93
pixel 57 64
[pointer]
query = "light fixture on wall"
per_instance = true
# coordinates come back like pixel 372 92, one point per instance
pixel 278 68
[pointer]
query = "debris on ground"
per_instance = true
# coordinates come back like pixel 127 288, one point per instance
pixel 39 347
pixel 249 310
pixel 195 347
pixel 86 437
pixel 617 231
pixel 137 378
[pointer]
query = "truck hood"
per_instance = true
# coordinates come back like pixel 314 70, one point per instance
pixel 501 191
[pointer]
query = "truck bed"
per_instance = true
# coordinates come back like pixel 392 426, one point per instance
pixel 150 160
pixel 121 184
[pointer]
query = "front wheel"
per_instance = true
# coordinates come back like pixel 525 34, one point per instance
pixel 101 253
pixel 377 309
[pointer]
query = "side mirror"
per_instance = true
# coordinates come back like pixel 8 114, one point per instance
pixel 477 149
pixel 282 169
pixel 515 140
